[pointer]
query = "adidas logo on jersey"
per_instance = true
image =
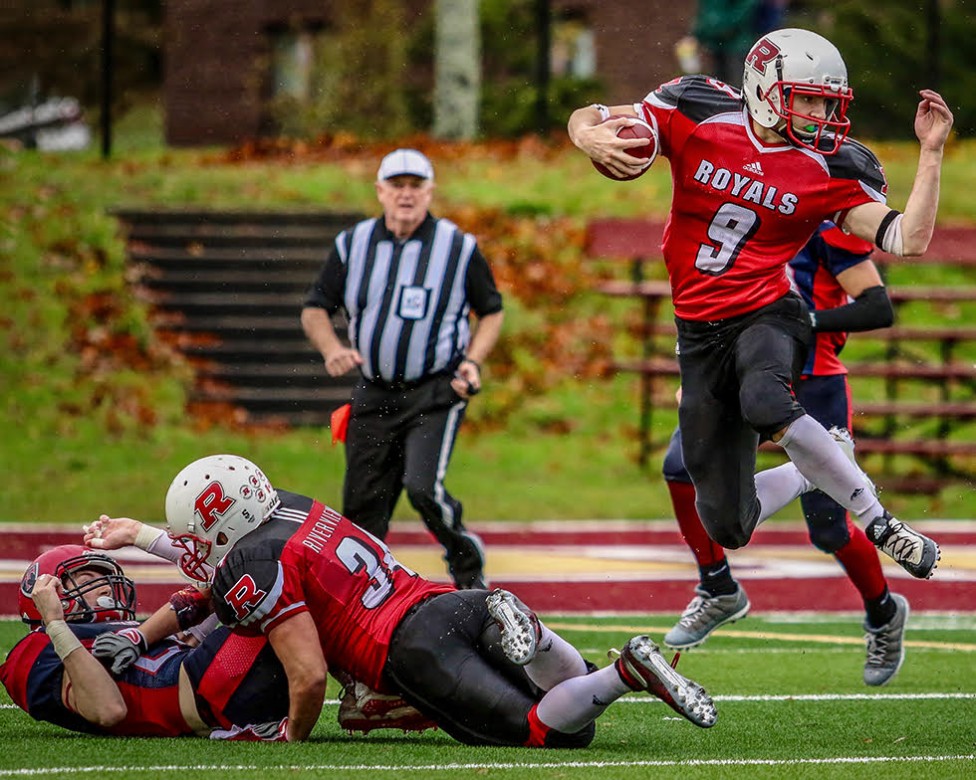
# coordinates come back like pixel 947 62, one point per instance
pixel 753 167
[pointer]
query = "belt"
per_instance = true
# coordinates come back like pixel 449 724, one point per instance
pixel 397 387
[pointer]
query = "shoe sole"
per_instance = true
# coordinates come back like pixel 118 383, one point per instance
pixel 416 723
pixel 519 641
pixel 733 618
pixel 684 696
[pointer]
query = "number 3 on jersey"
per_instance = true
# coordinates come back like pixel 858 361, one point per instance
pixel 358 557
pixel 730 228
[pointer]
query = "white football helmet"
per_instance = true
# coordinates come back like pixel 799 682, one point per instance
pixel 787 63
pixel 211 504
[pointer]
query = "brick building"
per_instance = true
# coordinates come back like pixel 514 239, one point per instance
pixel 224 59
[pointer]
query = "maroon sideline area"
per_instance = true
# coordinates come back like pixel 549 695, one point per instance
pixel 595 567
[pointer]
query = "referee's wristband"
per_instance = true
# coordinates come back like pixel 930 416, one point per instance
pixel 475 363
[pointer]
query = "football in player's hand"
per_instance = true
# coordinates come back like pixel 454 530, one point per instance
pixel 640 129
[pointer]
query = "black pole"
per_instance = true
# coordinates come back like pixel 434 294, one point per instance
pixel 108 35
pixel 543 25
pixel 933 57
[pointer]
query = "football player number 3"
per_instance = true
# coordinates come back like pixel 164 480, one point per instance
pixel 359 558
pixel 729 229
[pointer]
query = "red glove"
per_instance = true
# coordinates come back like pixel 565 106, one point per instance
pixel 254 732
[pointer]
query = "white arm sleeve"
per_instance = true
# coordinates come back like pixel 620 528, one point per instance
pixel 157 542
pixel 892 240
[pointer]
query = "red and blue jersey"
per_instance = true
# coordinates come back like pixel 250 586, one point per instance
pixel 814 271
pixel 33 675
pixel 235 680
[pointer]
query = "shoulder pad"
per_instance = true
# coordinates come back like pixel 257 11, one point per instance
pixel 698 97
pixel 246 584
pixel 294 501
pixel 855 161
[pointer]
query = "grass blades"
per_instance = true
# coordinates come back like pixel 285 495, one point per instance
pixel 788 689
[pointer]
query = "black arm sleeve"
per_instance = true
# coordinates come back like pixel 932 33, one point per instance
pixel 327 290
pixel 870 310
pixel 480 286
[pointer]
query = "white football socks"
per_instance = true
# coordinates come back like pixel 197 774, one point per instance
pixel 578 701
pixel 821 460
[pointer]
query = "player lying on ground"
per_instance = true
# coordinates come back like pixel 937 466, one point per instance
pixel 360 708
pixel 326 593
pixel 70 596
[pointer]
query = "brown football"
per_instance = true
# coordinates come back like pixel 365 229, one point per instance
pixel 640 129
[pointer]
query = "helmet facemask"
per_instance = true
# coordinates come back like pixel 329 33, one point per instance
pixel 787 64
pixel 78 599
pixel 193 561
pixel 118 604
pixel 833 126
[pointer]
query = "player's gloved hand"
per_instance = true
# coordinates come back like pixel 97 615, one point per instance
pixel 121 649
pixel 274 731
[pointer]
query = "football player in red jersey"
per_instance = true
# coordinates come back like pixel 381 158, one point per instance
pixel 836 278
pixel 754 173
pixel 70 596
pixel 360 708
pixel 327 593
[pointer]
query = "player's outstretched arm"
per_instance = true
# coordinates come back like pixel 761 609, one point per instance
pixel 89 689
pixel 933 122
pixel 909 234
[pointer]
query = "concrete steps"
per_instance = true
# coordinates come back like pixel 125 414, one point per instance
pixel 226 289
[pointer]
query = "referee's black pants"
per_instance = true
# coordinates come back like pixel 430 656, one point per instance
pixel 400 438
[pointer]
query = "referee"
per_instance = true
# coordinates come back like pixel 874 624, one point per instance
pixel 407 283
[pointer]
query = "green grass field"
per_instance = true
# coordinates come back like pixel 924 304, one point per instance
pixel 788 690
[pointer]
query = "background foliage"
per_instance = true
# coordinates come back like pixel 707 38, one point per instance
pixel 373 77
pixel 889 58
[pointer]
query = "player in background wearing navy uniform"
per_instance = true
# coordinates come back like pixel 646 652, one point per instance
pixel 70 596
pixel 836 278
pixel 754 173
pixel 325 592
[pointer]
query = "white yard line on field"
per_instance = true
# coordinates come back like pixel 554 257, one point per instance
pixel 520 765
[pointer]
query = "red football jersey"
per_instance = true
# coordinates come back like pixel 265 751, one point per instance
pixel 308 557
pixel 742 208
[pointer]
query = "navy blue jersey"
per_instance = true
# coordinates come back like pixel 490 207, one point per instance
pixel 33 676
pixel 236 680
pixel 814 270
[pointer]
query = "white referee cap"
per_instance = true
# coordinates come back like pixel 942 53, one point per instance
pixel 405 162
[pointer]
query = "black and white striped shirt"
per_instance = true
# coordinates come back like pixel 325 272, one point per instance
pixel 407 301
